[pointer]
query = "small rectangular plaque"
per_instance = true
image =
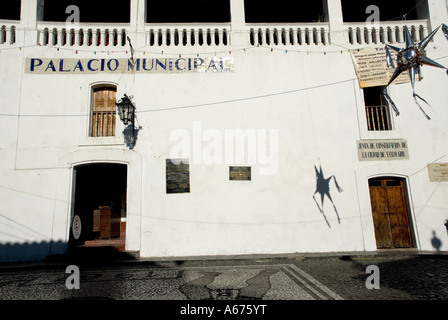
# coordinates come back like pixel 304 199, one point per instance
pixel 438 172
pixel 240 173
pixel 177 176
pixel 371 150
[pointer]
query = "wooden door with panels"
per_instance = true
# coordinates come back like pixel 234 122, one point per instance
pixel 390 213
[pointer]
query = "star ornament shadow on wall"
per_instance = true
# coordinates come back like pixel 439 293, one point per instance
pixel 323 188
pixel 411 59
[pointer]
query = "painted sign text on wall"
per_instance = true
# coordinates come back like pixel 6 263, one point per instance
pixel 151 65
pixel 371 150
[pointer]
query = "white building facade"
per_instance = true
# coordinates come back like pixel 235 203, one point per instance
pixel 251 137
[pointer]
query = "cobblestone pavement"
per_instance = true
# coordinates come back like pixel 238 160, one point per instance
pixel 400 277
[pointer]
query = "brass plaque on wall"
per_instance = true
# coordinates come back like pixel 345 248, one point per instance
pixel 240 173
pixel 177 176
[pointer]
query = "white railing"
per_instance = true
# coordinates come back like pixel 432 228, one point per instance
pixel 7 33
pixel 83 35
pixel 188 35
pixel 385 32
pixel 161 35
pixel 303 34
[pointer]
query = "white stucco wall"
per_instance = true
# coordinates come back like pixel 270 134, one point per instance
pixel 311 98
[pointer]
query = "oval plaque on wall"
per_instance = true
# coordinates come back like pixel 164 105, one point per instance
pixel 76 227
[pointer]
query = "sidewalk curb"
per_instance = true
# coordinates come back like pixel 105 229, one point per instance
pixel 62 261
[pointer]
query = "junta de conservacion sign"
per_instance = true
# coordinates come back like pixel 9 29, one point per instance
pixel 371 150
pixel 150 65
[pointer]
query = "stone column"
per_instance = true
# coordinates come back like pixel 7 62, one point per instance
pixel 437 11
pixel 335 18
pixel 30 12
pixel 137 23
pixel 239 37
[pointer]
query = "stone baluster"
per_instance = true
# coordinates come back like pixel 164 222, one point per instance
pixel 40 36
pixel 164 37
pixel 196 37
pixel 295 40
pixel 221 37
pixel 61 37
pixel 303 37
pixel 77 41
pixel 119 38
pixel 3 36
pixel 265 36
pixel 366 35
pixel 51 38
pixel 188 36
pixel 325 38
pixel 276 37
pixel 83 37
pixel 381 36
pixel 423 31
pixel 102 38
pixel 316 36
pixel 94 38
pixel 398 34
pixel 210 36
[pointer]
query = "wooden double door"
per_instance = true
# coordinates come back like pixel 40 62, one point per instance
pixel 390 210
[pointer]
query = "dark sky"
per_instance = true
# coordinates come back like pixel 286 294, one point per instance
pixel 90 10
pixel 355 10
pixel 188 11
pixel 184 11
pixel 282 10
pixel 11 10
pixel 157 10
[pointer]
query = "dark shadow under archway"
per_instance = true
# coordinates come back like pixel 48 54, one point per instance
pixel 100 203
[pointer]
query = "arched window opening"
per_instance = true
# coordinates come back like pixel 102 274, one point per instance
pixel 103 118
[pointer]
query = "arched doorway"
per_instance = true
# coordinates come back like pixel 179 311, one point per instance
pixel 99 205
pixel 390 211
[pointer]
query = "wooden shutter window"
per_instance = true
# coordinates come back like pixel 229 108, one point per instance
pixel 103 112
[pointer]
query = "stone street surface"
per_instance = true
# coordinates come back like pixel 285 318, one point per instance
pixel 399 276
pixel 246 286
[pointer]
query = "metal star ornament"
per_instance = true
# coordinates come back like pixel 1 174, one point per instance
pixel 410 59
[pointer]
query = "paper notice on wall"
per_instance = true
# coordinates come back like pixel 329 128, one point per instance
pixel 438 172
pixel 371 67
